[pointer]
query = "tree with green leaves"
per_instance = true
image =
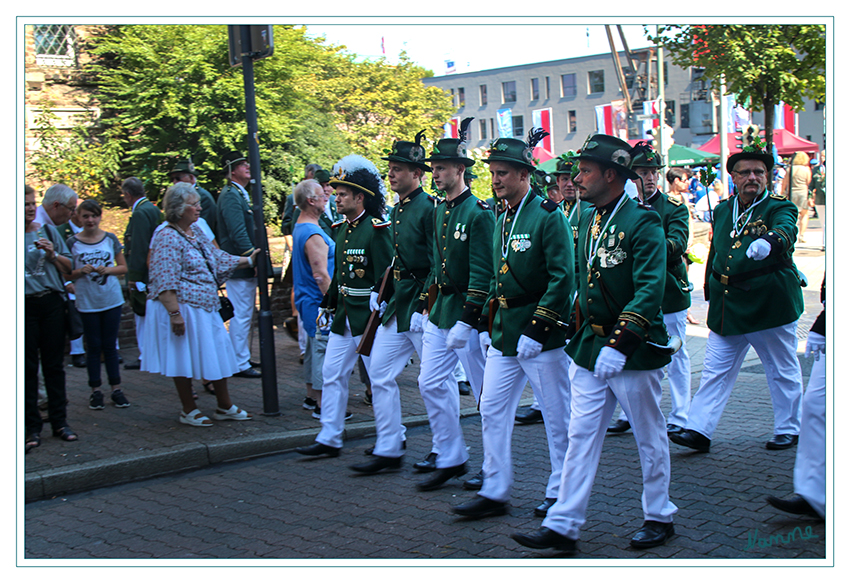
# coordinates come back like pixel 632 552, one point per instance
pixel 763 63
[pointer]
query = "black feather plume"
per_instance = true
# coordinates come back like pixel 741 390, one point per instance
pixel 535 135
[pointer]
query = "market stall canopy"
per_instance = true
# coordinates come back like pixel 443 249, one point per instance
pixel 786 143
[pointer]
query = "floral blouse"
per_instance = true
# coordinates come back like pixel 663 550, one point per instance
pixel 177 263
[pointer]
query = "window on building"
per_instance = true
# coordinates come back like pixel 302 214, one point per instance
pixel 596 81
pixel 519 130
pixel 482 94
pixel 571 121
pixel 508 91
pixel 482 127
pixel 670 113
pixel 55 45
pixel 461 97
pixel 535 89
pixel 568 85
pixel 685 115
pixel 548 95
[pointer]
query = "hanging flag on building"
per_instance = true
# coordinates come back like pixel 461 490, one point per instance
pixel 542 118
pixel 450 128
pixel 506 129
pixel 450 67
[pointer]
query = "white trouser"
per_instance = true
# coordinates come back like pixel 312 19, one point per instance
pixel 340 358
pixel 442 400
pixel 810 468
pixel 242 294
pixel 504 381
pixel 140 334
pixel 591 405
pixel 391 351
pixel 777 349
pixel 679 370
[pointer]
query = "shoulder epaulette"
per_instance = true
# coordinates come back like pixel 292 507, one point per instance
pixel 777 196
pixel 549 204
pixel 380 223
pixel 674 199
pixel 483 205
pixel 338 223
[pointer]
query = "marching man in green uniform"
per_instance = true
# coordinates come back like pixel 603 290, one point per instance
pixel 363 254
pixel 754 296
pixel 184 171
pixel 618 349
pixel 677 290
pixel 412 233
pixel 235 234
pixel 462 271
pixel 533 285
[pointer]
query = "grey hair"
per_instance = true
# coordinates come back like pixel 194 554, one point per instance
pixel 58 193
pixel 174 201
pixel 304 191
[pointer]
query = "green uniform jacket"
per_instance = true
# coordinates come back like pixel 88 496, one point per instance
pixel 750 304
pixel 235 224
pixel 137 239
pixel 621 291
pixel 463 264
pixel 363 253
pixel 412 229
pixel 208 208
pixel 674 221
pixel 533 293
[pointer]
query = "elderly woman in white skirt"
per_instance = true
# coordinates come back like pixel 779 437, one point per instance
pixel 185 337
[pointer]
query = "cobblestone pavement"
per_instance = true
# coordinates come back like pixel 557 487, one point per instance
pixel 282 506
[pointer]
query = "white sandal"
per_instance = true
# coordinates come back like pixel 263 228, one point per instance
pixel 195 419
pixel 232 414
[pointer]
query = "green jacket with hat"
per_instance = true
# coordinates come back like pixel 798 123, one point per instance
pixel 534 279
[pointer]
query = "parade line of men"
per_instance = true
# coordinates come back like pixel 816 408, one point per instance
pixel 582 294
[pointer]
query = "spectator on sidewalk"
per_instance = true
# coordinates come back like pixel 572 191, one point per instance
pixel 46 259
pixel 96 260
pixel 185 337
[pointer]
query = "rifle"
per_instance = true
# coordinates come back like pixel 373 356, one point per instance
pixel 368 337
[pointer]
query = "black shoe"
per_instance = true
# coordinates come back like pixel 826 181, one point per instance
pixel 475 483
pixel 543 509
pixel 464 388
pixel 376 464
pixel 440 477
pixel 783 441
pixel 545 538
pixel 795 505
pixel 78 360
pixel 481 507
pixel 255 365
pixel 318 449
pixel 619 426
pixel 533 416
pixel 371 449
pixel 673 428
pixel 692 439
pixel 429 464
pixel 652 534
pixel 133 365
pixel 96 400
pixel 119 400
pixel 249 373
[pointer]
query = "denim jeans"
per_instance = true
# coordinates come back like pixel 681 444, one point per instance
pixel 101 331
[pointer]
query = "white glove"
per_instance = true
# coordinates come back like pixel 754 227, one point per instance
pixel 758 249
pixel 484 342
pixel 417 322
pixel 458 336
pixel 609 363
pixel 815 345
pixel 528 348
pixel 373 304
